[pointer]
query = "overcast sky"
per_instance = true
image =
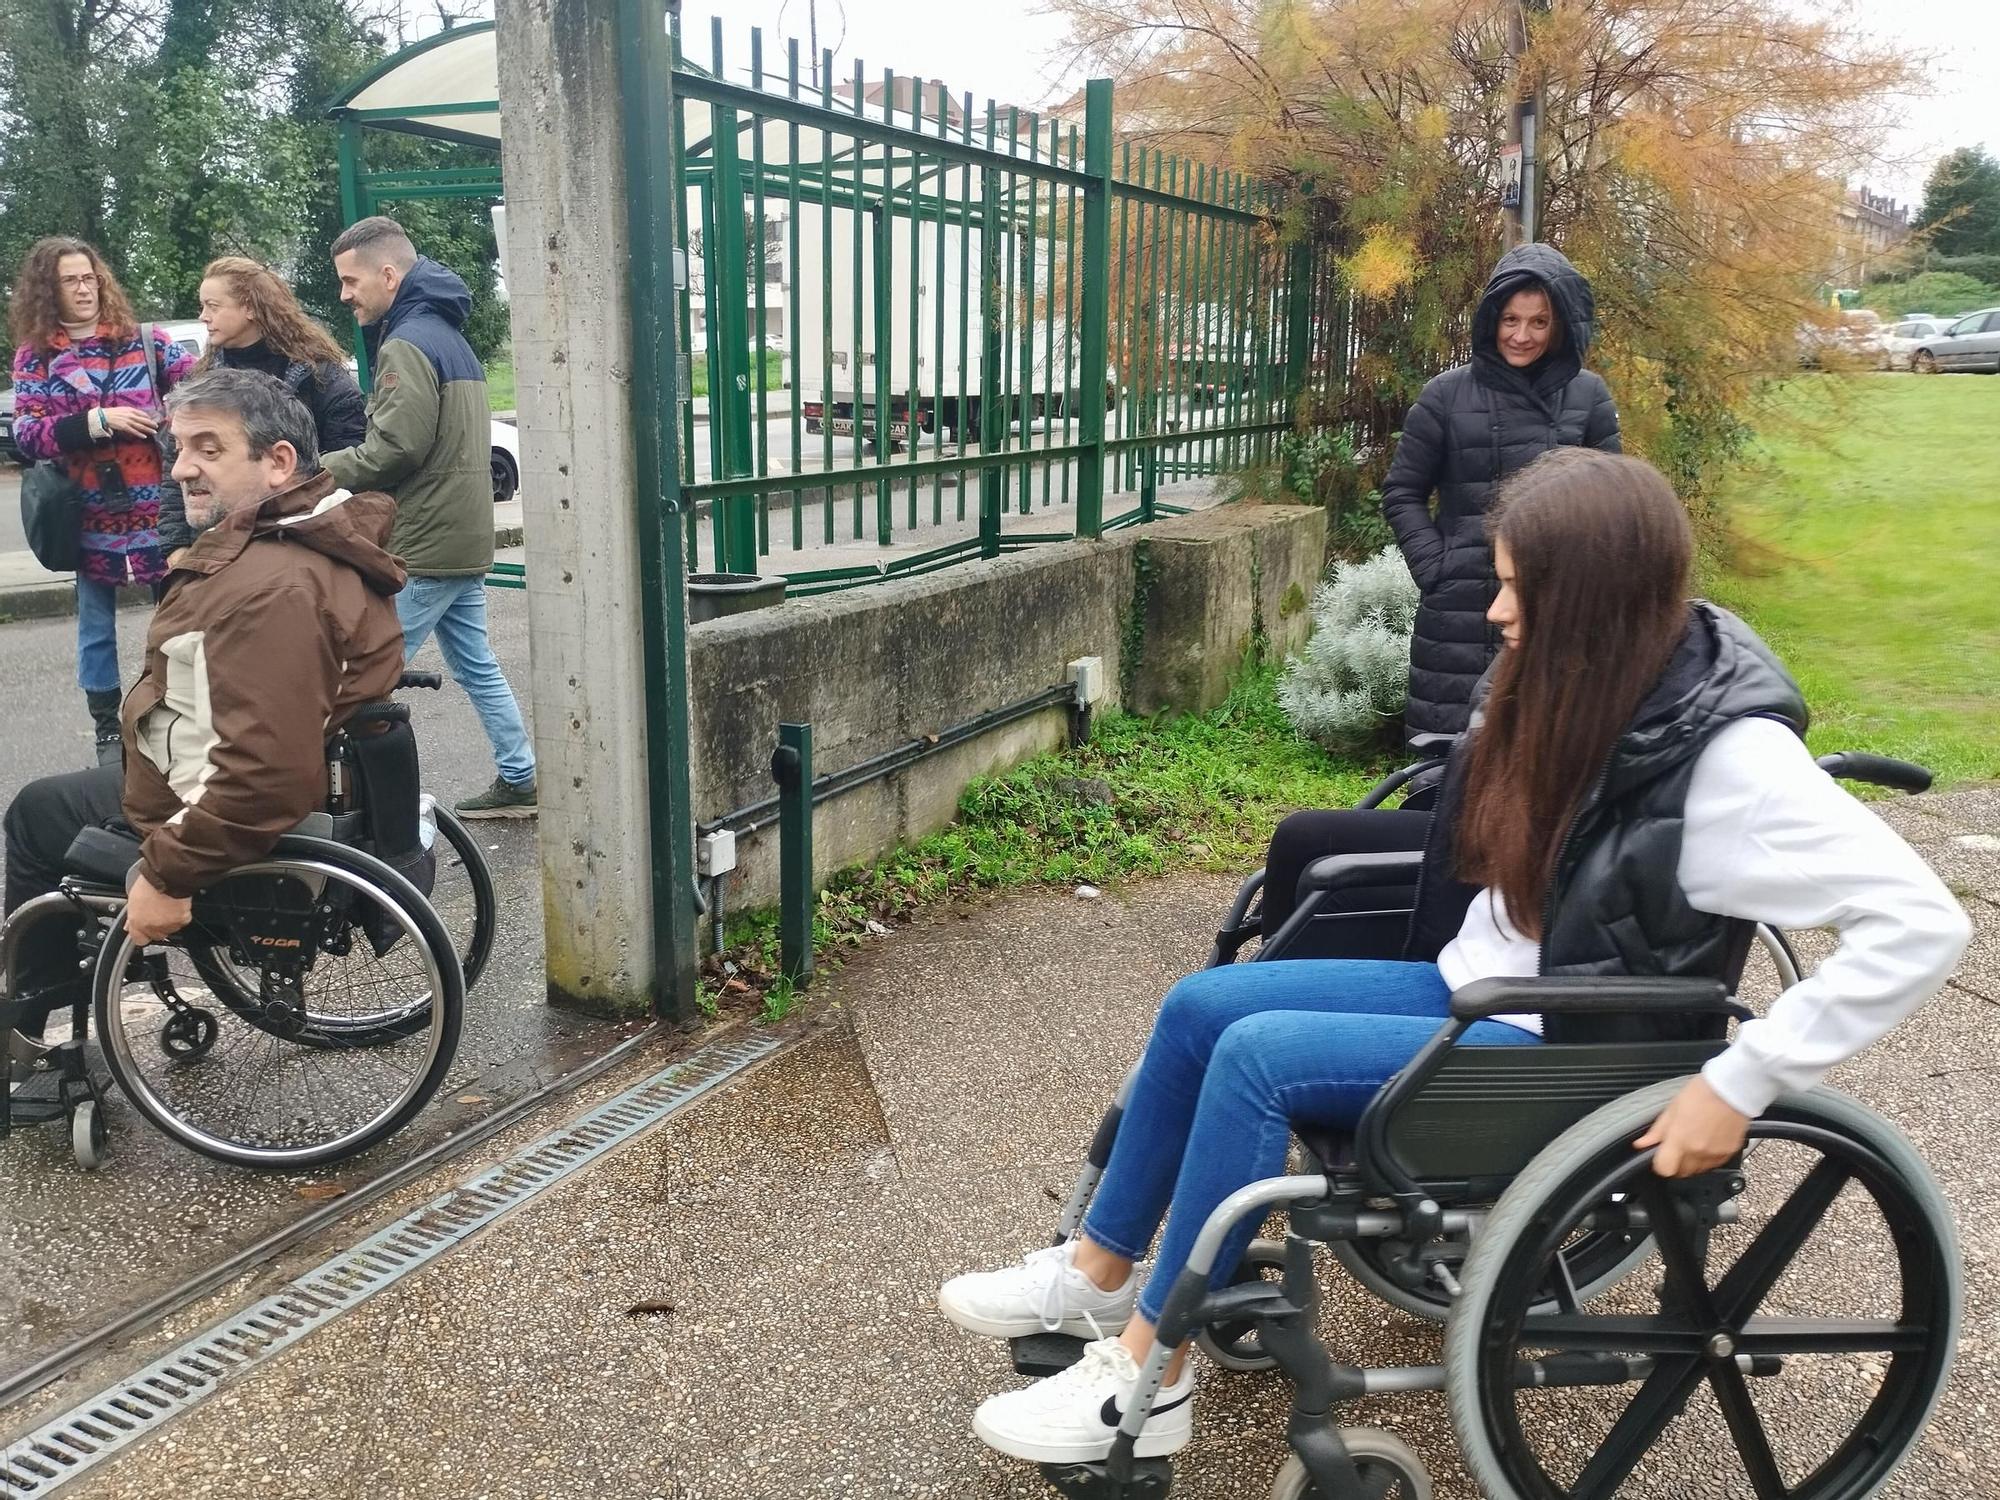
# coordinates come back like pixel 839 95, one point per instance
pixel 1004 49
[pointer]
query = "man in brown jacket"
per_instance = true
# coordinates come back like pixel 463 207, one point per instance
pixel 279 621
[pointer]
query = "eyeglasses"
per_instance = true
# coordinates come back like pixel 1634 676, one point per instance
pixel 88 278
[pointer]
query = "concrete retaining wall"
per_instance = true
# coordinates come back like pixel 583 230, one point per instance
pixel 874 668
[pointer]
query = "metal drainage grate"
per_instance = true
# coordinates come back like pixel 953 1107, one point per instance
pixel 93 1430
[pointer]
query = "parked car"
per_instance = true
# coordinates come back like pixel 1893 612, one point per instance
pixel 1901 340
pixel 1970 343
pixel 190 336
pixel 506 461
pixel 1855 338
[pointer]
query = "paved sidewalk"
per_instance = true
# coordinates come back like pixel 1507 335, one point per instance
pixel 799 1221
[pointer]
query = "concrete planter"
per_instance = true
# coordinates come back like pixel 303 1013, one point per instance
pixel 713 595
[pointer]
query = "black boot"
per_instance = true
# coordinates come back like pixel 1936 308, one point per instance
pixel 104 711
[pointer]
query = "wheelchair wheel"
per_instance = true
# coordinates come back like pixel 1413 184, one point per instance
pixel 463 894
pixel 1389 1469
pixel 1823 1275
pixel 89 1138
pixel 299 1072
pixel 1595 1261
pixel 1235 1346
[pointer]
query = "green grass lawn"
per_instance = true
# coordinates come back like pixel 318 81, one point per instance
pixel 500 385
pixel 1874 564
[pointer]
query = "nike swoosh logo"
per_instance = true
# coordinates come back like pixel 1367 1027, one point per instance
pixel 1110 1416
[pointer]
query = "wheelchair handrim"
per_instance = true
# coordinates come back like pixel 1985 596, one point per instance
pixel 1486 1344
pixel 411 912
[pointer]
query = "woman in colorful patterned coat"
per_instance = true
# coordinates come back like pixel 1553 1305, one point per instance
pixel 84 399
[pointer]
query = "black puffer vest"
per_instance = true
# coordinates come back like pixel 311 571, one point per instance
pixel 1472 427
pixel 1616 906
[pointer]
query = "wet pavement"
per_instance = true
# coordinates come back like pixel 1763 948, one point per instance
pixel 741 1302
pixel 76 1250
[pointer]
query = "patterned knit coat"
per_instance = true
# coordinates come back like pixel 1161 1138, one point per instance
pixel 55 390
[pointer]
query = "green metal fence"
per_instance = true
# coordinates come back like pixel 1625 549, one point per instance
pixel 985 314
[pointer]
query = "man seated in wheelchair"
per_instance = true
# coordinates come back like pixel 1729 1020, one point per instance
pixel 1633 791
pixel 278 622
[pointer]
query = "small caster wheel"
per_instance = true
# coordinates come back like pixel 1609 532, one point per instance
pixel 1386 1464
pixel 188 1033
pixel 1236 1346
pixel 89 1137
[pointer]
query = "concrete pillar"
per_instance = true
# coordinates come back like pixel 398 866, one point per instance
pixel 618 938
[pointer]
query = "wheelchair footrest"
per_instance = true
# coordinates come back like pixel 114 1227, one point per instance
pixel 1039 1354
pixel 1151 1479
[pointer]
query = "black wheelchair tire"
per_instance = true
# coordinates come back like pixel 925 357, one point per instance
pixel 485 902
pixel 1596 1265
pixel 1377 1454
pixel 1234 1346
pixel 448 999
pixel 1483 1319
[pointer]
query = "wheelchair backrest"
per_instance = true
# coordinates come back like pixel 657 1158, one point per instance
pixel 1488 1111
pixel 384 758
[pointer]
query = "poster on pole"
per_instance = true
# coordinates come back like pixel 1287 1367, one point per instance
pixel 1510 176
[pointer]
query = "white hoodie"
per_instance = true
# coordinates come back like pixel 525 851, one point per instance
pixel 1769 837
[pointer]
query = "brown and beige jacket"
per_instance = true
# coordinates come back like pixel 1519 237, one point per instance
pixel 279 622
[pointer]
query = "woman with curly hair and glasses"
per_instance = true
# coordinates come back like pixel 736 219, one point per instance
pixel 255 323
pixel 87 398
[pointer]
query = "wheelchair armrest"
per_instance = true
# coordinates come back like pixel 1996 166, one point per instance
pixel 1344 872
pixel 102 856
pixel 1436 746
pixel 1591 994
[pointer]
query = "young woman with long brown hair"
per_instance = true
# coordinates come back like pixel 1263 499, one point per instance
pixel 1632 794
pixel 255 323
pixel 88 393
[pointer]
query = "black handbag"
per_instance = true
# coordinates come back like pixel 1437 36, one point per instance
pixel 52 517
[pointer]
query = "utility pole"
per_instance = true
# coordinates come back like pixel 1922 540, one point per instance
pixel 1523 129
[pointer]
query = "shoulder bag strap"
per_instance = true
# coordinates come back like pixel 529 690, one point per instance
pixel 152 363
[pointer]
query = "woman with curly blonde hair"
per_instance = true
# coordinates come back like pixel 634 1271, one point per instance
pixel 255 323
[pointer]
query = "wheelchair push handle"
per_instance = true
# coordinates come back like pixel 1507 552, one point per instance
pixel 431 680
pixel 1854 765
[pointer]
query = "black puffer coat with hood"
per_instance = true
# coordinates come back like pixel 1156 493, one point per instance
pixel 1473 426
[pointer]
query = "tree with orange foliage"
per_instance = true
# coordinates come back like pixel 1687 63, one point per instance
pixel 1691 154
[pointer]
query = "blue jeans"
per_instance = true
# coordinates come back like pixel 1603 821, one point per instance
pixel 455 608
pixel 96 636
pixel 1237 1054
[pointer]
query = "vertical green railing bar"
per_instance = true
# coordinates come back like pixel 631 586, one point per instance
pixel 992 339
pixel 792 769
pixel 1298 332
pixel 964 304
pixel 646 80
pixel 1096 305
pixel 728 263
pixel 792 345
pixel 885 328
pixel 857 364
pixel 350 210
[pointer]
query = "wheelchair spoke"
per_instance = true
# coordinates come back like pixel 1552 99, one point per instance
pixel 1757 1270
pixel 1658 1402
pixel 1584 1333
pixel 1831 1336
pixel 1732 1394
pixel 1681 1251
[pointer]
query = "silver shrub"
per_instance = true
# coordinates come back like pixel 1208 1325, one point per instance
pixel 1350 683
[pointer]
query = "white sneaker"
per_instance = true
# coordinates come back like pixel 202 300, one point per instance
pixel 1043 1294
pixel 1073 1417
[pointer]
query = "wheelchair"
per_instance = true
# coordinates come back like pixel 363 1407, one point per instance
pixel 312 1005
pixel 1587 1302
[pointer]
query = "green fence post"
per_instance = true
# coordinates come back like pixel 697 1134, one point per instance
pixel 1298 327
pixel 792 769
pixel 728 261
pixel 647 82
pixel 992 418
pixel 1096 305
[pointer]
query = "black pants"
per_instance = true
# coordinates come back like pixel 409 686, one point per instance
pixel 1306 836
pixel 43 820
